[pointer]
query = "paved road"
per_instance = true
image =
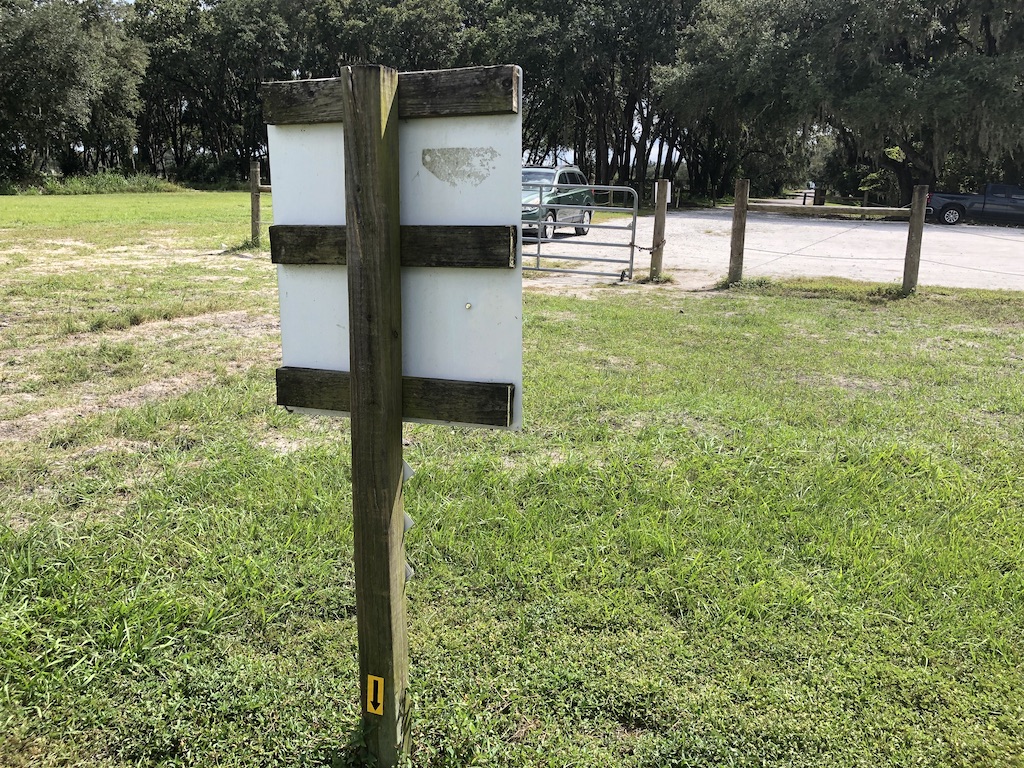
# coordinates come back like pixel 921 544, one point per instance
pixel 697 250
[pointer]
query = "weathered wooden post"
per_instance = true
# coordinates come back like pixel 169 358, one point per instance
pixel 662 190
pixel 368 101
pixel 912 262
pixel 254 199
pixel 739 231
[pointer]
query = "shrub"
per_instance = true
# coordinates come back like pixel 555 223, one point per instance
pixel 105 183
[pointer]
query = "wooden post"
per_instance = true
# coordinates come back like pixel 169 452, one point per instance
pixel 912 263
pixel 254 195
pixel 369 97
pixel 739 230
pixel 662 190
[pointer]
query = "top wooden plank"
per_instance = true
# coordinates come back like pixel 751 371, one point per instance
pixel 439 93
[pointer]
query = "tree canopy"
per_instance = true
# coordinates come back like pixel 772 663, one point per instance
pixel 916 91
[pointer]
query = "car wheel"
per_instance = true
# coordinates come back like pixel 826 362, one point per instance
pixel 951 214
pixel 585 227
pixel 548 230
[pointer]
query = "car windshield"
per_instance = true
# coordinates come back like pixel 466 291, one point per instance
pixel 538 176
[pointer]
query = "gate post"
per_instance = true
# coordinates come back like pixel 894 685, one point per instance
pixel 369 99
pixel 739 231
pixel 912 262
pixel 661 194
pixel 254 199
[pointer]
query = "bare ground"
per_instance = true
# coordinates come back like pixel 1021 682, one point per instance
pixel 202 335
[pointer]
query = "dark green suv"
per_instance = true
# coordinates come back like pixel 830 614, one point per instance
pixel 554 197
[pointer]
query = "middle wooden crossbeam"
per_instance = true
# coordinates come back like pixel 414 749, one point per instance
pixel 465 402
pixel 421 246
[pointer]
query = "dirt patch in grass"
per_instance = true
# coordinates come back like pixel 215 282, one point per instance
pixel 238 324
pixel 113 445
pixel 849 383
pixel 202 336
pixel 31 425
pixel 690 282
pixel 555 287
pixel 282 445
pixel 163 389
pixel 86 257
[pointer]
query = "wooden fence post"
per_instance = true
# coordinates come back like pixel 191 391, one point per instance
pixel 739 231
pixel 369 101
pixel 912 263
pixel 662 190
pixel 254 196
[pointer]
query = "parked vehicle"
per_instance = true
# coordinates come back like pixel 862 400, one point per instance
pixel 996 202
pixel 555 197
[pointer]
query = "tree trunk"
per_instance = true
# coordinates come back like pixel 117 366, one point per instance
pixel 642 145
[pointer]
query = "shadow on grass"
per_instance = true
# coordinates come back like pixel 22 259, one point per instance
pixel 356 753
pixel 245 248
pixel 818 288
pixel 353 754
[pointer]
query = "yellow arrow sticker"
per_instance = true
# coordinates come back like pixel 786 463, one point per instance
pixel 375 695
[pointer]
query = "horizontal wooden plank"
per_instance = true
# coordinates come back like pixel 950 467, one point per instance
pixel 288 102
pixel 422 246
pixel 464 402
pixel 307 244
pixel 828 210
pixel 440 93
pixel 486 247
pixel 457 92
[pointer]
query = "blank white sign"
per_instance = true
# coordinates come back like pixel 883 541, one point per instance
pixel 462 324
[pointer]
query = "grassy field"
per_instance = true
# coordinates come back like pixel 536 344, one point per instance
pixel 779 525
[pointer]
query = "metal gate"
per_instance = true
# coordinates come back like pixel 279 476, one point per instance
pixel 555 232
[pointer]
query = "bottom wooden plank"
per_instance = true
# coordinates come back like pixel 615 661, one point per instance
pixel 464 402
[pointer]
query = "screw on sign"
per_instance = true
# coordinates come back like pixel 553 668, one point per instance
pixel 396 209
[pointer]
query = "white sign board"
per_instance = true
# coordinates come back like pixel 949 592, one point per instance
pixel 457 323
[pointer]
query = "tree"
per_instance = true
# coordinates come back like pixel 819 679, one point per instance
pixel 68 86
pixel 736 92
pixel 107 139
pixel 916 81
pixel 588 68
pixel 172 31
pixel 246 45
pixel 47 82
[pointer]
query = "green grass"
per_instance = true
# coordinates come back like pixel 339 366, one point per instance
pixel 88 223
pixel 776 525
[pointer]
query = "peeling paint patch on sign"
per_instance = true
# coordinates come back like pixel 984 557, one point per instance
pixel 460 165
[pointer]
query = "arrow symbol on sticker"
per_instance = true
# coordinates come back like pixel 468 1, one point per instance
pixel 375 695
